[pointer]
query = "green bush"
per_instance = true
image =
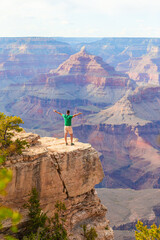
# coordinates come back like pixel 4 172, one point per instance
pixel 40 227
pixel 144 233
pixel 8 126
pixel 89 234
pixel 37 218
pixel 56 229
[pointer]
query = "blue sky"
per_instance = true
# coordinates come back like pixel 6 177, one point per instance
pixel 80 18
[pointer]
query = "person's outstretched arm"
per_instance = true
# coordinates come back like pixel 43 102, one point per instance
pixel 57 112
pixel 75 115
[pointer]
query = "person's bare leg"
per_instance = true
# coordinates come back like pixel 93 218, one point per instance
pixel 71 138
pixel 65 137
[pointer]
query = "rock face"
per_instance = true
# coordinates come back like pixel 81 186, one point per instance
pixel 83 68
pixel 83 81
pixel 21 59
pixel 127 136
pixel 144 69
pixel 59 172
pixel 138 57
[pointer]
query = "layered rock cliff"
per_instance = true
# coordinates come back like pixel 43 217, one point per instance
pixel 21 59
pixel 83 81
pixel 119 120
pixel 144 69
pixel 127 136
pixel 59 172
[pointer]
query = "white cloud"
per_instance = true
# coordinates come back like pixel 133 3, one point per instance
pixel 19 17
pixel 114 6
pixel 79 17
pixel 65 22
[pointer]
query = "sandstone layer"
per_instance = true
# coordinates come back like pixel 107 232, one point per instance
pixel 59 172
pixel 21 59
pixel 127 136
pixel 144 69
pixel 84 82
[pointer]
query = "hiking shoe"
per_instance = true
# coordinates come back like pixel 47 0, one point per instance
pixel 72 144
pixel 66 144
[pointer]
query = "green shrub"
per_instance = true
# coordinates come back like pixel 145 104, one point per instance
pixel 89 234
pixel 106 228
pixel 56 229
pixel 8 126
pixel 144 233
pixel 40 227
pixel 37 218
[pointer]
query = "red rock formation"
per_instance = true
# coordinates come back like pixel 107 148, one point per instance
pixel 82 68
pixel 21 59
pixel 59 172
pixel 144 69
pixel 83 80
pixel 127 136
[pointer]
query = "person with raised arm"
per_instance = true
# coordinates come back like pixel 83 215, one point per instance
pixel 68 124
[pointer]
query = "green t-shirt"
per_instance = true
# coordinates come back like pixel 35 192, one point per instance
pixel 67 119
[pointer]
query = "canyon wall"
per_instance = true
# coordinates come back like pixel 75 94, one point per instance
pixel 126 135
pixel 21 59
pixel 129 155
pixel 120 119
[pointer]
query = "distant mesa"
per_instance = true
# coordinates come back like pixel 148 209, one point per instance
pixel 144 69
pixel 83 68
pixel 137 108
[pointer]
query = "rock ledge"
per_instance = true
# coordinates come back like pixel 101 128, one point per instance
pixel 60 172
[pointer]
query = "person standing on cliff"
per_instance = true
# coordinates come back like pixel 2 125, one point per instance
pixel 68 124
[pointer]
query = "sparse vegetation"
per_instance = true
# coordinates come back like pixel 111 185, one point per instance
pixel 106 228
pixel 37 218
pixel 144 233
pixel 89 234
pixel 8 125
pixel 40 227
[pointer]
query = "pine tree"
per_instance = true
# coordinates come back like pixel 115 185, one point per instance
pixel 37 218
pixel 40 227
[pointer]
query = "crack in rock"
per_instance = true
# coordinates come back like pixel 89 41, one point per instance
pixel 57 166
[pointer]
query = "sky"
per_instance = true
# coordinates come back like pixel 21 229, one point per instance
pixel 80 18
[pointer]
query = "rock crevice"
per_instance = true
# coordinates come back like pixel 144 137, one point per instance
pixel 57 166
